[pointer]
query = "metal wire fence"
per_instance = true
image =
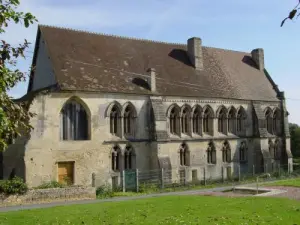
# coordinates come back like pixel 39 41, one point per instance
pixel 197 177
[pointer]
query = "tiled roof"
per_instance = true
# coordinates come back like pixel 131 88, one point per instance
pixel 96 62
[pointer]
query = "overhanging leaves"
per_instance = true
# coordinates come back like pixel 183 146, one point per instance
pixel 13 117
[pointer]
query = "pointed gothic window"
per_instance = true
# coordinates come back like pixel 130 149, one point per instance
pixel 128 120
pixel 174 121
pixel 129 158
pixel 211 154
pixel 197 121
pixel 114 120
pixel 271 148
pixel 231 121
pixel 222 121
pixel 269 121
pixel 241 116
pixel 185 121
pixel 74 121
pixel 226 152
pixel 243 153
pixel 184 155
pixel 208 120
pixel 276 122
pixel 115 158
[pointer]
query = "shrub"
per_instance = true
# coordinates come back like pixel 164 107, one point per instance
pixel 51 184
pixel 148 188
pixel 14 186
pixel 104 191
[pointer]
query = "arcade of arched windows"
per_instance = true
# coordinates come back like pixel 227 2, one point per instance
pixel 122 119
pixel 198 121
pixel 122 159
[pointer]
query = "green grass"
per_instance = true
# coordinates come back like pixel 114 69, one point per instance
pixel 166 210
pixel 290 183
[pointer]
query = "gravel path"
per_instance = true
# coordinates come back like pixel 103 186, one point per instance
pixel 292 192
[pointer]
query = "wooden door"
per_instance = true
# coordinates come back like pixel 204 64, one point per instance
pixel 65 172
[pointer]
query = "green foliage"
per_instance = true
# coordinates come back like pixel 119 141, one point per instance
pixel 104 191
pixel 51 184
pixel 13 116
pixel 295 139
pixel 13 186
pixel 148 188
pixel 288 182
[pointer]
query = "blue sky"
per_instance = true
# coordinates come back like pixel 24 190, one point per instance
pixel 230 24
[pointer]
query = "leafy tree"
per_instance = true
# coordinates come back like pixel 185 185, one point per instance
pixel 13 116
pixel 292 14
pixel 295 139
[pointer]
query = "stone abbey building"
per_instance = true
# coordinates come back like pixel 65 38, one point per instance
pixel 105 104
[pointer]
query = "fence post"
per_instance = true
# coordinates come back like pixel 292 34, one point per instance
pixel 137 180
pixel 253 170
pixel 272 167
pixel 239 171
pixel 204 176
pixel 162 178
pixel 93 179
pixel 279 169
pixel 123 181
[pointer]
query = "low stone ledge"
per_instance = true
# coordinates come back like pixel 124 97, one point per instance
pixel 35 196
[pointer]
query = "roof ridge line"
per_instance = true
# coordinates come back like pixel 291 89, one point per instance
pixel 112 35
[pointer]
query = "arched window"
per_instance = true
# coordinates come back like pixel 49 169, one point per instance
pixel 174 121
pixel 197 121
pixel 222 128
pixel 185 121
pixel 184 155
pixel 129 117
pixel 208 120
pixel 241 116
pixel 129 158
pixel 211 154
pixel 115 158
pixel 114 118
pixel 74 121
pixel 231 121
pixel 269 121
pixel 226 152
pixel 271 148
pixel 243 153
pixel 276 122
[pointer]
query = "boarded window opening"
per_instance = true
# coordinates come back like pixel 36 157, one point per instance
pixel 66 172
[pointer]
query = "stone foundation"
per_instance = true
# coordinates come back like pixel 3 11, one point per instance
pixel 49 195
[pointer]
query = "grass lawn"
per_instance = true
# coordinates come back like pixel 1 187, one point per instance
pixel 291 182
pixel 166 210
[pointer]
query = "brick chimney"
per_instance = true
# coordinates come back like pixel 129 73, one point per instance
pixel 258 57
pixel 194 45
pixel 152 79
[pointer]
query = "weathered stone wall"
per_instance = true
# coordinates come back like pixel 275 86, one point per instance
pixel 49 195
pixel 41 153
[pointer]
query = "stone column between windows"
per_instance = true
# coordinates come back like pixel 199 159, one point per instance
pixel 180 124
pixel 122 127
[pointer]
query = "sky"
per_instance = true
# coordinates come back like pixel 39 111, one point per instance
pixel 229 24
